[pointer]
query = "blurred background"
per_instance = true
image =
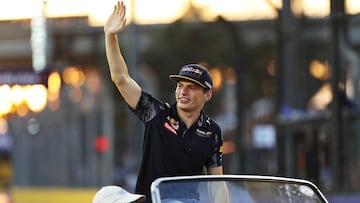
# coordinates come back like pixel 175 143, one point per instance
pixel 286 80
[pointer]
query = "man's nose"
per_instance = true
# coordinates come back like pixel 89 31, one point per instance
pixel 184 90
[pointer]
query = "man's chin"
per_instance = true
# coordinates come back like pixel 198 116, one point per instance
pixel 184 107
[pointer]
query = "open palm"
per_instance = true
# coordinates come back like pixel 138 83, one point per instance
pixel 116 21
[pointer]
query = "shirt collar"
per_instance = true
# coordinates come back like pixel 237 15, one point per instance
pixel 201 122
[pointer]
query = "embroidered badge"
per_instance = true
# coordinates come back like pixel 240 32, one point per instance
pixel 169 128
pixel 203 133
pixel 192 70
pixel 174 123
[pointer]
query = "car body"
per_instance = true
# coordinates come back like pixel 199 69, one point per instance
pixel 238 188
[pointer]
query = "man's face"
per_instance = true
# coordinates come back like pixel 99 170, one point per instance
pixel 191 96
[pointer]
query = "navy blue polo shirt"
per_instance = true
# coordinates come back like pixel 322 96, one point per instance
pixel 169 148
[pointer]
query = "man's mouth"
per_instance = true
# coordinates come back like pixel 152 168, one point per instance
pixel 184 100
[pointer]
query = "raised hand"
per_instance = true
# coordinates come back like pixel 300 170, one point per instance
pixel 116 21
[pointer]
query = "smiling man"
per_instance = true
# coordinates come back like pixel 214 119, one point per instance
pixel 179 139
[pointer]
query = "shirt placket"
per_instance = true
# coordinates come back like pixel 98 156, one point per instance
pixel 187 137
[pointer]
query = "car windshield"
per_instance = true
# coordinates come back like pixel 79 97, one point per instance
pixel 242 189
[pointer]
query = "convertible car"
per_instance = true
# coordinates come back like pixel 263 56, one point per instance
pixel 234 189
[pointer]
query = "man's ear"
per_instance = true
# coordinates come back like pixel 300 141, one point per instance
pixel 208 95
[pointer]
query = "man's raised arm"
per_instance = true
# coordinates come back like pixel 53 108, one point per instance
pixel 128 88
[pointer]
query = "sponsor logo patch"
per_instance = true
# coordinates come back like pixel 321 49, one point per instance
pixel 170 128
pixel 192 70
pixel 174 123
pixel 203 133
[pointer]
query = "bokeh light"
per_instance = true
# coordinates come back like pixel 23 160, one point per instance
pixel 36 97
pixel 319 70
pixel 5 101
pixel 22 110
pixel 33 126
pixel 322 98
pixel 54 82
pixel 17 95
pixel 54 85
pixel 217 78
pixel 73 76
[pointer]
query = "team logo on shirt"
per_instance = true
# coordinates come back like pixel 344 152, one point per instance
pixel 172 125
pixel 203 133
pixel 169 128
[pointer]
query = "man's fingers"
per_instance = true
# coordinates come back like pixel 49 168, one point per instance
pixel 122 11
pixel 114 11
pixel 116 8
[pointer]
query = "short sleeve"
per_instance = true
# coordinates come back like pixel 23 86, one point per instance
pixel 215 158
pixel 147 107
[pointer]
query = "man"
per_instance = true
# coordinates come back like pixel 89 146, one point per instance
pixel 179 139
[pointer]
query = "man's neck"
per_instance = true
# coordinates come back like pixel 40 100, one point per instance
pixel 189 118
